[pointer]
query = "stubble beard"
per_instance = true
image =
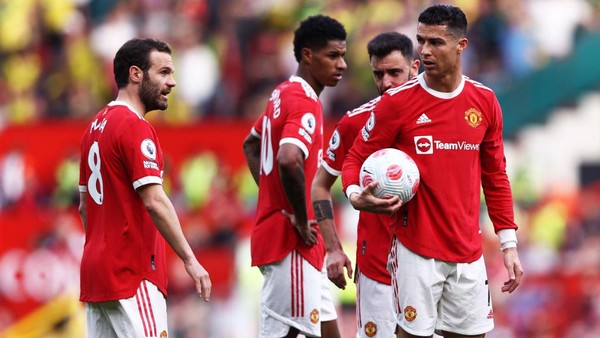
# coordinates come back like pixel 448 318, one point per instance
pixel 150 96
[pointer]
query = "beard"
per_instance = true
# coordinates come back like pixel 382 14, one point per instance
pixel 150 95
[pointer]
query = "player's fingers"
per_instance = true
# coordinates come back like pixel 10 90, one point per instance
pixel 506 286
pixel 349 268
pixel 518 272
pixel 509 286
pixel 340 281
pixel 289 216
pixel 311 239
pixel 205 287
pixel 370 187
pixel 313 235
pixel 393 203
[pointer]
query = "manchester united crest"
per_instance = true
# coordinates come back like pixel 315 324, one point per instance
pixel 163 334
pixel 473 117
pixel 410 313
pixel 314 316
pixel 370 329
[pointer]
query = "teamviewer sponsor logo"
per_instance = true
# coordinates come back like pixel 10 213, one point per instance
pixel 424 144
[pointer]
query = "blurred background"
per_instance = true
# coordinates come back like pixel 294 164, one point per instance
pixel 540 56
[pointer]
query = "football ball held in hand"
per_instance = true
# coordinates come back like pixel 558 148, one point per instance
pixel 395 171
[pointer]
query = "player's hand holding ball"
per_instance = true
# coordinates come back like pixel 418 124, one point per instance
pixel 388 178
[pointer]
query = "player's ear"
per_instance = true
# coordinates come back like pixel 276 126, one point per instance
pixel 307 55
pixel 462 45
pixel 135 74
pixel 415 67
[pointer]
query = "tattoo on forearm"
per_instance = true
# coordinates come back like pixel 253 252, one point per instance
pixel 323 210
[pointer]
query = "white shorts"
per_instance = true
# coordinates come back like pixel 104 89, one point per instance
pixel 374 308
pixel 294 294
pixel 430 294
pixel 143 315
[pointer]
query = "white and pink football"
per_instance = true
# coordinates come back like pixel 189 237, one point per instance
pixel 396 172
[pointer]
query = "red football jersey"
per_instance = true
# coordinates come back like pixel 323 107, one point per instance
pixel 293 115
pixel 456 141
pixel 373 232
pixel 119 153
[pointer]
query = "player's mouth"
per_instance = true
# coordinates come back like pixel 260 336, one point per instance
pixel 428 64
pixel 338 76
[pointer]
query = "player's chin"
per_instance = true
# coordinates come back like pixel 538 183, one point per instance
pixel 334 81
pixel 163 104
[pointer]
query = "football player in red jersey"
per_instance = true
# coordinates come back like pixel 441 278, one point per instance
pixel 125 212
pixel 452 127
pixel 283 151
pixel 392 62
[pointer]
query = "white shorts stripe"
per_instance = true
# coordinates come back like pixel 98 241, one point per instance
pixel 139 305
pixel 152 322
pixel 358 307
pixel 297 282
pixel 392 268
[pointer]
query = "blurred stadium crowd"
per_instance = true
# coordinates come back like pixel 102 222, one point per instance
pixel 56 56
pixel 56 72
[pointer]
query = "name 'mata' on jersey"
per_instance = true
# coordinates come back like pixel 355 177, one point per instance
pixel 456 140
pixel 373 232
pixel 293 115
pixel 119 153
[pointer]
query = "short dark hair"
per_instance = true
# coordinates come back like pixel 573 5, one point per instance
pixel 135 52
pixel 446 15
pixel 315 32
pixel 385 43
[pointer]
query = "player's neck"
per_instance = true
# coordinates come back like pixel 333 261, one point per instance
pixel 132 99
pixel 446 83
pixel 304 74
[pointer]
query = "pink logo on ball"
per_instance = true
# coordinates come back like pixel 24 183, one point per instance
pixel 394 172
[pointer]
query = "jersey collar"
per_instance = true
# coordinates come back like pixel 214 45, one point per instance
pixel 121 103
pixel 441 95
pixel 307 87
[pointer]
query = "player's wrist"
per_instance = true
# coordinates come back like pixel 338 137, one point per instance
pixel 507 238
pixel 352 189
pixel 334 248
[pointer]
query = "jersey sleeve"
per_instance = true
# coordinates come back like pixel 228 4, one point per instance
pixel 83 167
pixel 142 155
pixel 258 126
pixel 340 142
pixel 494 180
pixel 301 124
pixel 378 132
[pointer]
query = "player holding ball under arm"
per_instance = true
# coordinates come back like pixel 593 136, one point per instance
pixel 392 62
pixel 452 127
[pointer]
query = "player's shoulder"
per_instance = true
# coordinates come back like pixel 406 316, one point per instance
pixel 299 89
pixel 123 118
pixel 124 111
pixel 356 117
pixel 481 91
pixel 477 85
pixel 404 88
pixel 366 107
